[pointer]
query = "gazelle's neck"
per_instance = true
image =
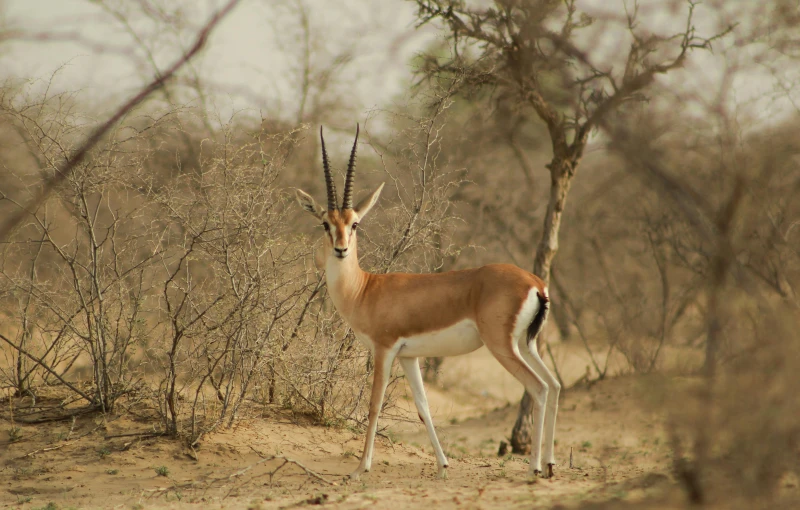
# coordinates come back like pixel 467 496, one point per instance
pixel 346 281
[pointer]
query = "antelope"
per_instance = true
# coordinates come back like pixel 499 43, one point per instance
pixel 408 316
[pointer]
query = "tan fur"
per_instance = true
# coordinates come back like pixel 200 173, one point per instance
pixel 418 303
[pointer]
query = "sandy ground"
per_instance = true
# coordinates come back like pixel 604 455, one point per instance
pixel 617 444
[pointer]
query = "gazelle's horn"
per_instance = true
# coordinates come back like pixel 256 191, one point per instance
pixel 347 201
pixel 328 177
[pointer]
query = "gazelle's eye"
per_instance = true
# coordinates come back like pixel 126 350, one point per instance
pixel 326 227
pixel 355 226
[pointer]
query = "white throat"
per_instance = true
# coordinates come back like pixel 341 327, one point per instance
pixel 343 277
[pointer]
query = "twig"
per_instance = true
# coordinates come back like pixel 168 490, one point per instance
pixel 11 409
pixel 62 445
pixel 42 364
pixel 46 419
pixel 41 450
pixel 98 133
pixel 237 474
pixel 72 427
pixel 141 435
pixel 286 460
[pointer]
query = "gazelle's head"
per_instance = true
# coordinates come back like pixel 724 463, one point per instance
pixel 340 223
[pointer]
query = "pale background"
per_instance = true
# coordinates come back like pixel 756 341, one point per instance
pixel 253 60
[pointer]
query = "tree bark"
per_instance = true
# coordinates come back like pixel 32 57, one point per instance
pixel 562 171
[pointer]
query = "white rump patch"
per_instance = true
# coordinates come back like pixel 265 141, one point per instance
pixel 529 309
pixel 460 338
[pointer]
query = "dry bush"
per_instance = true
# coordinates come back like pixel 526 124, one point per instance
pixel 145 286
pixel 229 278
pixel 722 213
pixel 78 266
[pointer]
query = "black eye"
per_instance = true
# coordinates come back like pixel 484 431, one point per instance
pixel 355 226
pixel 326 227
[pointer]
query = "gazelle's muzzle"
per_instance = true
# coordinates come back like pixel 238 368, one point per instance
pixel 341 241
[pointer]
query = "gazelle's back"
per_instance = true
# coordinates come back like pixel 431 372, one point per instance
pixel 412 304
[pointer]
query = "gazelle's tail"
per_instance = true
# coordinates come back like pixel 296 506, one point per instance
pixel 540 318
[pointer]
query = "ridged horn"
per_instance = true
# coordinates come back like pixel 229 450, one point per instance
pixel 328 177
pixel 347 201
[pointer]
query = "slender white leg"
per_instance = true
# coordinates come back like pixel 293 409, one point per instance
pixel 512 360
pixel 532 358
pixel 414 376
pixel 380 379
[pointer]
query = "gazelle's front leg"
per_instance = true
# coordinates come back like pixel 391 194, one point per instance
pixel 380 378
pixel 414 376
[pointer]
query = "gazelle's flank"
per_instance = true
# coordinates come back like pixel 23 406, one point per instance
pixel 407 316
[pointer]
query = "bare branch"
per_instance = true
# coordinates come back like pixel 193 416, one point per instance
pixel 75 159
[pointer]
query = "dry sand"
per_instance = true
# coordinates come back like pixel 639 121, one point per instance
pixel 619 453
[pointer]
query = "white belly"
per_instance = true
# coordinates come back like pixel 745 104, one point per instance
pixel 460 338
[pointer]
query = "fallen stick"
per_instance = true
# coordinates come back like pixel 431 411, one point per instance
pixel 142 435
pixel 58 446
pixel 207 483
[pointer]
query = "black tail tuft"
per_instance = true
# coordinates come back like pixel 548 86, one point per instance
pixel 537 323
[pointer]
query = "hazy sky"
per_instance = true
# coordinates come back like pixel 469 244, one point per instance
pixel 253 57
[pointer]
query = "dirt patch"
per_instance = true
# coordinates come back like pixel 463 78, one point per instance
pixel 618 452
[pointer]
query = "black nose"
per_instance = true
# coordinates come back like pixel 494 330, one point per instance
pixel 340 251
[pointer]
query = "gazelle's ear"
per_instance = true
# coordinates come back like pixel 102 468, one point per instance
pixel 308 203
pixel 366 204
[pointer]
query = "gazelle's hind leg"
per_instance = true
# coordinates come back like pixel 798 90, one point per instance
pixel 507 353
pixel 534 360
pixel 414 376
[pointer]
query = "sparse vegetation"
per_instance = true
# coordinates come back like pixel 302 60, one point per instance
pixel 48 506
pixel 162 274
pixel 14 434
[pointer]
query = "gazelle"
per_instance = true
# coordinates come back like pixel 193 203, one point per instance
pixel 407 316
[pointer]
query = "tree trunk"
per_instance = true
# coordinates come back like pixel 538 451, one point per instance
pixel 561 173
